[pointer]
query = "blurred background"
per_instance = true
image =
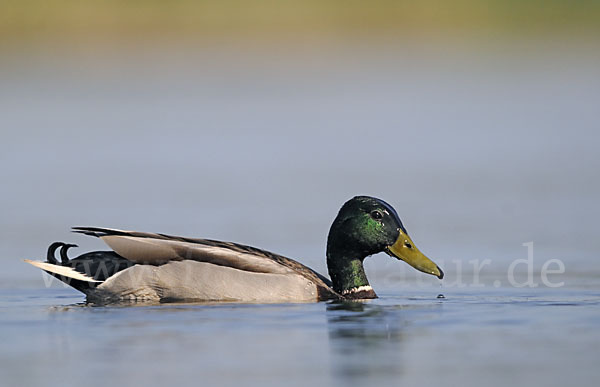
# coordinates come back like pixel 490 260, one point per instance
pixel 254 122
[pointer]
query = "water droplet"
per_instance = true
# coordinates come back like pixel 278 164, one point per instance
pixel 441 296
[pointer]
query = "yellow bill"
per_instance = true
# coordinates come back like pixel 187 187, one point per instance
pixel 405 250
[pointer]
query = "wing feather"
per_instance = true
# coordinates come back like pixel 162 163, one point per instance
pixel 157 249
pixel 154 251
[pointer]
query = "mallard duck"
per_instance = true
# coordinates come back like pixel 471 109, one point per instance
pixel 158 267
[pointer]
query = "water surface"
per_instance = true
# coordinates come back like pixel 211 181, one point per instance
pixel 498 337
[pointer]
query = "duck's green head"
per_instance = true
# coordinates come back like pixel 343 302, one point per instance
pixel 366 226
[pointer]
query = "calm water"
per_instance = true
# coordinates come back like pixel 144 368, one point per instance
pixel 480 149
pixel 499 337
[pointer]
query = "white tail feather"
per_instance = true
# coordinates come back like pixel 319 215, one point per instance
pixel 61 270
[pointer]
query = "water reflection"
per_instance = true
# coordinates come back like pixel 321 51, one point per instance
pixel 365 340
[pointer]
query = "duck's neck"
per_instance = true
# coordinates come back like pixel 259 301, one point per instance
pixel 348 275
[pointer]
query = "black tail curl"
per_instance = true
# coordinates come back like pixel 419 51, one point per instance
pixel 64 247
pixel 99 265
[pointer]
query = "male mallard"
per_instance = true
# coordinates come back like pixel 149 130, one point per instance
pixel 158 267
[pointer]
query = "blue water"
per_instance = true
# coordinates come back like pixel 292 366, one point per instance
pixel 496 337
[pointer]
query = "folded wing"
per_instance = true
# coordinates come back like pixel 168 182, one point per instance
pixel 157 249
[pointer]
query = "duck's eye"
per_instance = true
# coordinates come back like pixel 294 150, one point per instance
pixel 407 245
pixel 376 215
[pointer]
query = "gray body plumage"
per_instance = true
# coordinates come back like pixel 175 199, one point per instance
pixel 192 280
